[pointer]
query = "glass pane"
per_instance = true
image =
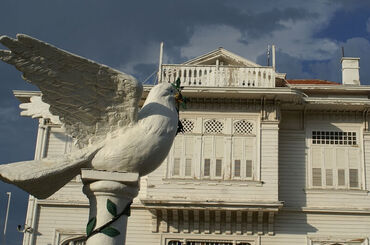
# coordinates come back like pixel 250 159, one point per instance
pixel 316 176
pixel 248 169
pixel 176 166
pixel 353 178
pixel 237 168
pixel 188 167
pixel 218 167
pixel 207 167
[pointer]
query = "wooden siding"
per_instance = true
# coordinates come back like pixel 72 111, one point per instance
pixel 161 188
pixel 293 188
pixel 292 168
pixel 306 212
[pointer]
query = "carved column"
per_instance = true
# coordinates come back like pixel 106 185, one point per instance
pixel 110 195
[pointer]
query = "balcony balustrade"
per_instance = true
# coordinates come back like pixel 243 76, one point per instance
pixel 219 76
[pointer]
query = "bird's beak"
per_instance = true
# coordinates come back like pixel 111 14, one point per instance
pixel 178 97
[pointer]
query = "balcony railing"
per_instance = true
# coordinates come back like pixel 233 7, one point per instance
pixel 219 76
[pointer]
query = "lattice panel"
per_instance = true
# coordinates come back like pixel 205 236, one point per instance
pixel 243 127
pixel 213 127
pixel 188 125
pixel 334 138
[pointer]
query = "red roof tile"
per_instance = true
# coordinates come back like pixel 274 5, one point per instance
pixel 311 81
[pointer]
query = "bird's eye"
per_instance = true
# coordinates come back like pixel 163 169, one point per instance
pixel 171 90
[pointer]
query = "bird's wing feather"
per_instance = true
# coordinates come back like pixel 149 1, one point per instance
pixel 90 99
pixel 42 178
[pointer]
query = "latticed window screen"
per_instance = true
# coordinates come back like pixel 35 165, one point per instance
pixel 243 127
pixel 188 125
pixel 335 160
pixel 213 127
pixel 334 138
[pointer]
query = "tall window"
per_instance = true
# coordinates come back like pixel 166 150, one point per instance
pixel 335 159
pixel 183 151
pixel 243 150
pixel 213 156
pixel 215 148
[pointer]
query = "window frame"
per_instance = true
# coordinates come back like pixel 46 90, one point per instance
pixel 252 239
pixel 334 127
pixel 228 133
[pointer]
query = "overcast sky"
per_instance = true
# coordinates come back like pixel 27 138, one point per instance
pixel 126 35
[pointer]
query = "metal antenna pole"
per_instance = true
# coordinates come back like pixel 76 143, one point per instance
pixel 6 217
pixel 160 63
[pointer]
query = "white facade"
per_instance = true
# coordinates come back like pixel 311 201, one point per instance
pixel 263 160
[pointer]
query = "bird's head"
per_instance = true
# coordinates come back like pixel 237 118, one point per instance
pixel 170 92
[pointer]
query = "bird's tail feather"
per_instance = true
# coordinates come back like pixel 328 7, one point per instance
pixel 42 178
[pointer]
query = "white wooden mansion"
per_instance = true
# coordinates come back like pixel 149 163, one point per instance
pixel 262 160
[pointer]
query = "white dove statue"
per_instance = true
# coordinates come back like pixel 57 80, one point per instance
pixel 98 107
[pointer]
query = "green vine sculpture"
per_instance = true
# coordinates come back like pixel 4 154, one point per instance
pixel 106 228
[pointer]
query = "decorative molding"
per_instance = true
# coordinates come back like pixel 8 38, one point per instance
pixel 344 116
pixel 214 222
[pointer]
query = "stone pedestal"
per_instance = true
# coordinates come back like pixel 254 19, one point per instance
pixel 110 195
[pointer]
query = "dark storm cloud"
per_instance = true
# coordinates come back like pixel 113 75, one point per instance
pixel 116 32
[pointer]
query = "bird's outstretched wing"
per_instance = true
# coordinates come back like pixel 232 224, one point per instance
pixel 90 99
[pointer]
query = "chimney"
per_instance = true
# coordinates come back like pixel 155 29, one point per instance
pixel 350 71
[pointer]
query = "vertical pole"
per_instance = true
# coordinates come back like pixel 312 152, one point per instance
pixel 273 57
pixel 268 55
pixel 6 217
pixel 160 63
pixel 109 194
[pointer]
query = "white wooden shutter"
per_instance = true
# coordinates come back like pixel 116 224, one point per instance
pixel 219 154
pixel 341 159
pixel 207 149
pixel 188 166
pixel 176 167
pixel 237 168
pixel 248 169
pixel 207 167
pixel 207 154
pixel 249 156
pixel 353 163
pixel 329 164
pixel 237 151
pixel 218 168
pixel 316 167
pixel 177 150
pixel 177 154
pixel 189 152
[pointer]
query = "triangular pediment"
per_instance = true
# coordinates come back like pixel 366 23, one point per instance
pixel 223 56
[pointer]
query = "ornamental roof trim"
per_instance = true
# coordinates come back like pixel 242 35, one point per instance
pixel 223 55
